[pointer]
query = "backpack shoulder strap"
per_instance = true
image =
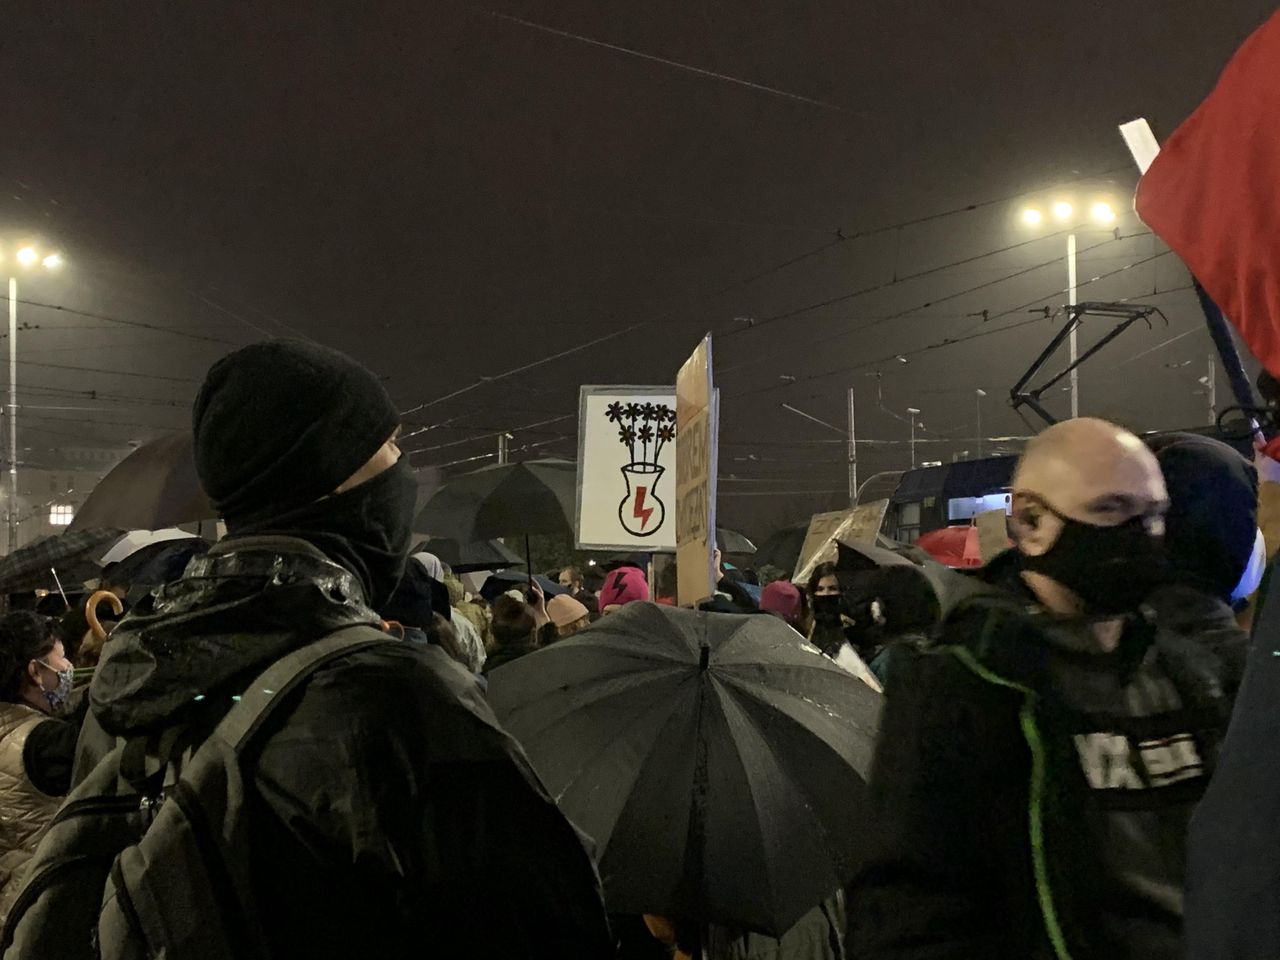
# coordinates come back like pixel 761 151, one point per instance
pixel 273 685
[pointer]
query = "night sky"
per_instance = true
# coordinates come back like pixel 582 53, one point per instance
pixel 449 193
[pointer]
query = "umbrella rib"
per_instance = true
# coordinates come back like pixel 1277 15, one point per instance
pixel 827 841
pixel 512 718
pixel 670 700
pixel 760 693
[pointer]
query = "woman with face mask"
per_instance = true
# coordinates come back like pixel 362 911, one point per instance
pixel 36 749
pixel 825 600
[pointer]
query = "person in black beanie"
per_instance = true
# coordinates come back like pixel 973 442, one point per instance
pixel 388 813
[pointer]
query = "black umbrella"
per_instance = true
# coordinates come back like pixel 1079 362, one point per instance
pixel 157 563
pixel 73 554
pixel 730 541
pixel 718 762
pixel 469 557
pixel 152 488
pixel 782 548
pixel 538 496
pixel 499 583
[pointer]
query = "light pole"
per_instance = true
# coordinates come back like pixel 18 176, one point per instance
pixel 1101 213
pixel 26 257
pixel 978 403
pixel 914 413
pixel 852 444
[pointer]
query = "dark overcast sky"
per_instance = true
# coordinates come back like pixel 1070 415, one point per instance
pixel 449 194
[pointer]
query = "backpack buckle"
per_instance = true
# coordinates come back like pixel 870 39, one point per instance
pixel 149 805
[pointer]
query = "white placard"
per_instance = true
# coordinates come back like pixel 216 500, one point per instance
pixel 627 468
pixel 1141 141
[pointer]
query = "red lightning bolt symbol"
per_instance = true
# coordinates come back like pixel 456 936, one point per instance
pixel 640 513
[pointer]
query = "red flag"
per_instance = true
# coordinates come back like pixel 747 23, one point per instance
pixel 1213 193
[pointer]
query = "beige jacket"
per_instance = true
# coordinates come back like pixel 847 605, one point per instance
pixel 25 812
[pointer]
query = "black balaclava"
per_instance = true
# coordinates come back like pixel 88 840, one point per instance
pixel 278 427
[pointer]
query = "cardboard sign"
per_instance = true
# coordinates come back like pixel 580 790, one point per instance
pixel 822 528
pixel 859 525
pixel 697 421
pixel 993 534
pixel 626 469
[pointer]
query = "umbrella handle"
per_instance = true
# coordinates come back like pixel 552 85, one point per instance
pixel 91 612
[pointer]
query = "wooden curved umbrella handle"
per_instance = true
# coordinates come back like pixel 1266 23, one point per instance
pixel 91 612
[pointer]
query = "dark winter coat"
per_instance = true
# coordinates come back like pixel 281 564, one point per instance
pixel 1233 891
pixel 390 815
pixel 1032 796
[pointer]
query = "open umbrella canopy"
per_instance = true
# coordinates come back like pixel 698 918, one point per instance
pixel 782 548
pixel 470 556
pixel 74 554
pixel 956 546
pixel 157 563
pixel 730 541
pixel 718 762
pixel 499 583
pixel 538 496
pixel 154 487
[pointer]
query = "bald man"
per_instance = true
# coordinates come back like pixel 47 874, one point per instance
pixel 1037 767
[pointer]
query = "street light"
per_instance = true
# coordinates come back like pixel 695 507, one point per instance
pixel 915 412
pixel 27 257
pixel 980 394
pixel 1101 213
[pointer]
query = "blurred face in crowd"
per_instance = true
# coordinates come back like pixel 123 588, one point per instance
pixel 828 586
pixel 569 581
pixel 569 629
pixel 50 679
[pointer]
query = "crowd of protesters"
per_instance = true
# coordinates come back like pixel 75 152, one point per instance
pixel 1050 725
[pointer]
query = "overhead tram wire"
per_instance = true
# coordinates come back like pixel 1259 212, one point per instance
pixel 840 238
pixel 953 341
pixel 914 309
pixel 888 284
pixel 141 324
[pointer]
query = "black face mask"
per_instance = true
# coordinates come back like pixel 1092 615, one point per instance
pixel 826 610
pixel 1111 569
pixel 366 529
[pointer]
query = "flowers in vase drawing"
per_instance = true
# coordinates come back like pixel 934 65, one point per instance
pixel 643 428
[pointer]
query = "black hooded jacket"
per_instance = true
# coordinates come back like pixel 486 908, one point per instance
pixel 1031 794
pixel 390 815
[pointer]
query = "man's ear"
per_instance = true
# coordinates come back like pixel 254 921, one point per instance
pixel 1035 529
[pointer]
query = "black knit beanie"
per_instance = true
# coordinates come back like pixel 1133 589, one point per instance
pixel 1213 509
pixel 281 424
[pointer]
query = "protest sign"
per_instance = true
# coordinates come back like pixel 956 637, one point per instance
pixel 626 468
pixel 697 418
pixel 859 525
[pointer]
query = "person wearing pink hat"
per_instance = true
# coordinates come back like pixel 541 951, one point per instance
pixel 786 602
pixel 568 616
pixel 622 586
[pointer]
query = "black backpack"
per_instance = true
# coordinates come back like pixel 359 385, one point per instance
pixel 135 866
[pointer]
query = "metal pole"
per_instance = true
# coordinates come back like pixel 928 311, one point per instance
pixel 13 414
pixel 1071 302
pixel 853 456
pixel 913 441
pixel 502 448
pixel 981 393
